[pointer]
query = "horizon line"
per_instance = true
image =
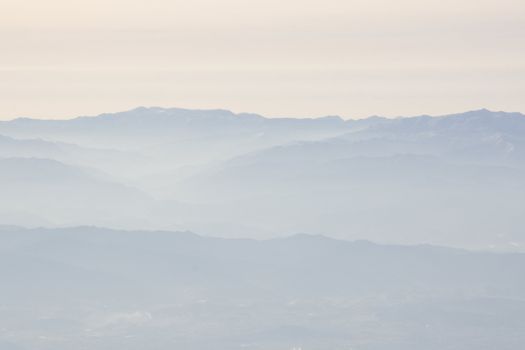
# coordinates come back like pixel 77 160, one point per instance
pixel 141 107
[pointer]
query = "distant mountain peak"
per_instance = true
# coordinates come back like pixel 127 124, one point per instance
pixel 483 113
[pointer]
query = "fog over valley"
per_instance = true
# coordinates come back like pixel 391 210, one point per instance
pixel 455 180
pixel 166 228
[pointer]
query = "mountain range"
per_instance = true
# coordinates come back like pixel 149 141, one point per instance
pixel 455 180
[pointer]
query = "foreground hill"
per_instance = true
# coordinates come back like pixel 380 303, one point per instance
pixel 104 289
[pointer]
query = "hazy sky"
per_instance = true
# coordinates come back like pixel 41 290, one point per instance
pixel 63 58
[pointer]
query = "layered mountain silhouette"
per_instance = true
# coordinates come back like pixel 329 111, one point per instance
pixel 317 233
pixel 452 180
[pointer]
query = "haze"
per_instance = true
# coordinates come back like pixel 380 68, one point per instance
pixel 168 228
pixel 60 59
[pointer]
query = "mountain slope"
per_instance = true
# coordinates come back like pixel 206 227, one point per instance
pixel 64 194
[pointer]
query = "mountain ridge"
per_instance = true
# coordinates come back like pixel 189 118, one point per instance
pixel 228 113
pixel 452 180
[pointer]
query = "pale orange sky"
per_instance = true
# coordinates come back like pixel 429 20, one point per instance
pixel 60 59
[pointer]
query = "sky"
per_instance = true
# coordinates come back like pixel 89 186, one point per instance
pixel 297 58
